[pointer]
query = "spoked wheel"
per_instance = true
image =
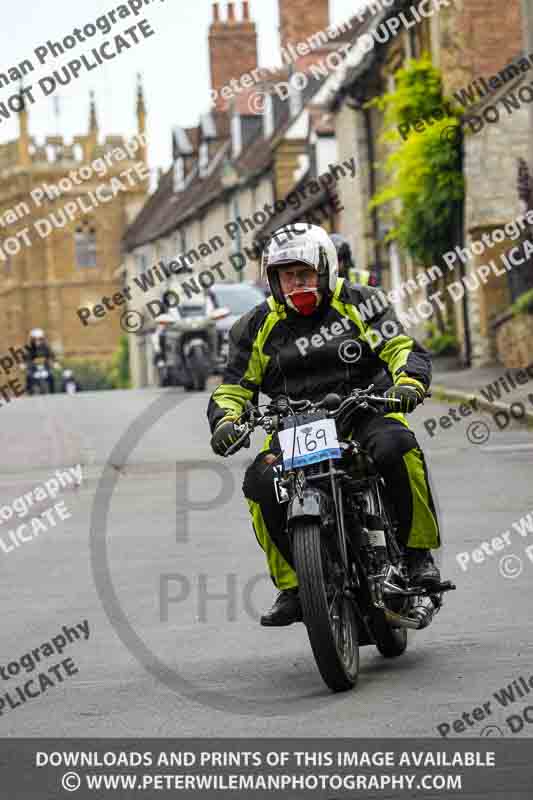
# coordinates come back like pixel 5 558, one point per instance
pixel 390 641
pixel 328 613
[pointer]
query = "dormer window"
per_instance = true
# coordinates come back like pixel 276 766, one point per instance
pixel 296 100
pixel 268 116
pixel 236 136
pixel 179 175
pixel 204 159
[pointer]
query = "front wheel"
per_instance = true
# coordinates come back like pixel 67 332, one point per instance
pixel 328 613
pixel 198 364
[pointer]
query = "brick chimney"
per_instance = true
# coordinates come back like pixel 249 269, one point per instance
pixel 232 47
pixel 300 19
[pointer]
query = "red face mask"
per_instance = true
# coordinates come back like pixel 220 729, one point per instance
pixel 304 302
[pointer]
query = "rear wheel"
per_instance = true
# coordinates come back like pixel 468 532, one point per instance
pixel 328 613
pixel 390 641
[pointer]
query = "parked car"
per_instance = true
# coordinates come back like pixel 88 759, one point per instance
pixel 230 301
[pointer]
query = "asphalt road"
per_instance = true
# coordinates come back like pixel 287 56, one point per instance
pixel 172 598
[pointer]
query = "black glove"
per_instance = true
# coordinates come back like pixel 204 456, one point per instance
pixel 409 395
pixel 224 435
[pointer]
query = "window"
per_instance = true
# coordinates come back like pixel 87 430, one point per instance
pixel 236 135
pixel 141 262
pixel 268 117
pixel 179 176
pixel 204 159
pixel 85 242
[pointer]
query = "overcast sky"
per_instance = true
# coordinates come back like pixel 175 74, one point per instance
pixel 174 64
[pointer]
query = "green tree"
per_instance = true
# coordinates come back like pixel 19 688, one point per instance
pixel 425 169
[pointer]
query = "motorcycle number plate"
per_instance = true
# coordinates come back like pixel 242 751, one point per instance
pixel 313 441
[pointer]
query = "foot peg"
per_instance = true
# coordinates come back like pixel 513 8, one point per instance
pixel 443 586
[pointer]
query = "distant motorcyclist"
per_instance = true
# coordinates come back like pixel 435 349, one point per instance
pixel 347 268
pixel 38 348
pixel 69 383
pixel 291 345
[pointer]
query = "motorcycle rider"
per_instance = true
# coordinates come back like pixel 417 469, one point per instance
pixel 290 345
pixel 347 268
pixel 38 347
pixel 68 378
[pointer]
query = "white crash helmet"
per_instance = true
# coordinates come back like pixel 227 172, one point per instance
pixel 36 333
pixel 305 244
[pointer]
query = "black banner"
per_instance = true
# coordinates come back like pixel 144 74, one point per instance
pixel 251 768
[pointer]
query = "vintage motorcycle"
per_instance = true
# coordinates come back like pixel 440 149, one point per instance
pixel 353 580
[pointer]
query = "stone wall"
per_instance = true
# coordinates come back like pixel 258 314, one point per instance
pixel 490 168
pixel 355 220
pixel 514 340
pixel 478 37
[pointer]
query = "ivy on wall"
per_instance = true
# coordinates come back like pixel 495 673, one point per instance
pixel 424 170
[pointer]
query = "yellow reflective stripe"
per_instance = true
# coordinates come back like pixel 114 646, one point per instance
pixel 231 397
pixel 406 380
pixel 396 352
pixel 360 276
pixel 259 361
pixel 282 573
pixel 396 415
pixel 267 443
pixel 424 531
pixel 346 310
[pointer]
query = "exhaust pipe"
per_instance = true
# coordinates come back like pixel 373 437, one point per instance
pixel 420 616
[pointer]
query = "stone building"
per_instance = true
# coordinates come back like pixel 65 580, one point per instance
pixel 64 208
pixel 241 160
pixel 467 41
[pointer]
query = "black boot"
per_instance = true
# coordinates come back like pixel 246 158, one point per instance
pixel 285 611
pixel 421 568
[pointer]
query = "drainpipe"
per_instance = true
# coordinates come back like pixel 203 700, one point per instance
pixel 372 188
pixel 527 24
pixel 460 228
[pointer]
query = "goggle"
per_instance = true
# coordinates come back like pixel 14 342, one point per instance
pixel 302 253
